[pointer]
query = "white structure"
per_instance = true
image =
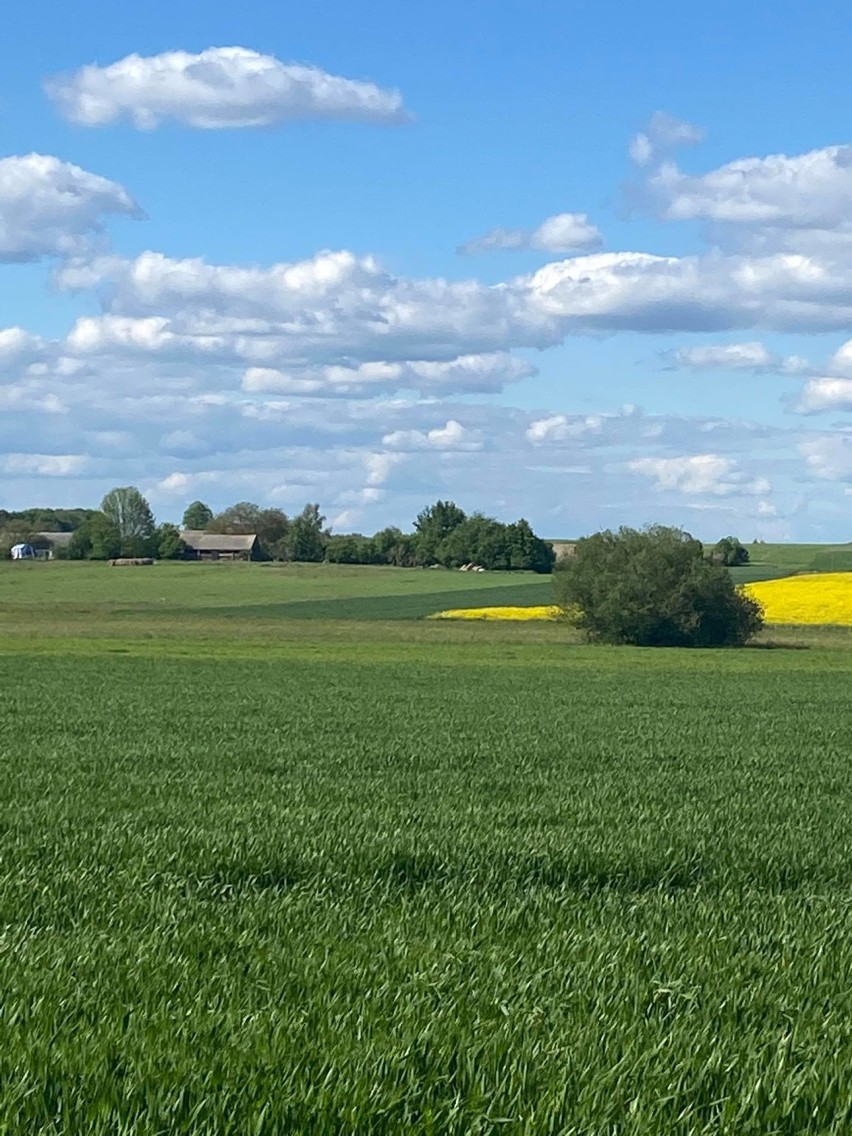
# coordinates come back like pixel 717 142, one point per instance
pixel 23 552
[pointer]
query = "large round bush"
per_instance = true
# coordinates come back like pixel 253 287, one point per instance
pixel 653 588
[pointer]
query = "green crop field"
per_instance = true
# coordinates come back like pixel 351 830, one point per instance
pixel 795 556
pixel 770 561
pixel 171 591
pixel 363 873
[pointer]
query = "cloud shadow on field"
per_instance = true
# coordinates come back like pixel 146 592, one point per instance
pixel 387 873
pixel 775 645
pixel 406 871
pixel 417 606
pixel 240 879
pixel 589 876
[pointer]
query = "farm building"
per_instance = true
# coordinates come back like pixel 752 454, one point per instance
pixel 41 546
pixel 202 545
pixel 563 547
pixel 48 544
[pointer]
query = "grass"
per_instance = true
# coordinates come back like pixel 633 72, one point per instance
pixel 341 875
pixel 795 556
pixel 771 561
pixel 56 590
pixel 753 573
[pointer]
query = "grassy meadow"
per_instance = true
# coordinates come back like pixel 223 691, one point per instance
pixel 771 561
pixel 202 595
pixel 277 855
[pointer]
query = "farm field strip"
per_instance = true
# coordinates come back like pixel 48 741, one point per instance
pixel 518 614
pixel 284 875
pixel 383 896
pixel 230 586
pixel 824 598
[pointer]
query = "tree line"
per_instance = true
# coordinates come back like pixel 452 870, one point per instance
pixel 443 534
pixel 42 520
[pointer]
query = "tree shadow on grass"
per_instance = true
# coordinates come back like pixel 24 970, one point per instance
pixel 775 645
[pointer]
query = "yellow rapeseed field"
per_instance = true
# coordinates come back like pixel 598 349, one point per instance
pixel 817 598
pixel 548 612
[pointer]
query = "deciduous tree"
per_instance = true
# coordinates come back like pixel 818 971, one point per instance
pixel 307 537
pixel 197 516
pixel 168 541
pixel 433 525
pixel 97 538
pixel 242 519
pixel 653 588
pixel 273 528
pixel 130 513
pixel 730 552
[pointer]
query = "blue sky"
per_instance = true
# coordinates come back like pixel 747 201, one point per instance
pixel 588 263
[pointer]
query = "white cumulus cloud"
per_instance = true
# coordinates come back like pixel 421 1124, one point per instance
pixel 663 134
pixel 217 88
pixel 339 309
pixel 810 191
pixel 29 396
pixel 829 456
pixel 175 483
pixel 452 436
pixel 47 206
pixel 16 344
pixel 379 466
pixel 751 356
pixel 563 428
pixel 841 361
pixel 564 232
pixel 825 394
pixel 466 374
pixel 710 474
pixel 43 465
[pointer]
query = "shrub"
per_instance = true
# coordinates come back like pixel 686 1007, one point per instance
pixel 96 539
pixel 730 552
pixel 653 588
pixel 168 542
pixel 350 549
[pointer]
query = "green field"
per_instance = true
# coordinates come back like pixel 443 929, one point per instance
pixel 771 561
pixel 172 591
pixel 796 556
pixel 363 873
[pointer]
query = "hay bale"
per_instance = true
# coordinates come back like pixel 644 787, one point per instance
pixel 130 561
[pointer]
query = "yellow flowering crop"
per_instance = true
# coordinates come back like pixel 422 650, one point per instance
pixel 545 612
pixel 817 598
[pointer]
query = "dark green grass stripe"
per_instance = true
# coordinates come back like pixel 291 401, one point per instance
pixel 381 607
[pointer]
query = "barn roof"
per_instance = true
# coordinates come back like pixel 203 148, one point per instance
pixel 201 541
pixel 55 539
pixel 563 547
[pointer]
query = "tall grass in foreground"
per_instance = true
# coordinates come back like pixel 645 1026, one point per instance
pixel 611 896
